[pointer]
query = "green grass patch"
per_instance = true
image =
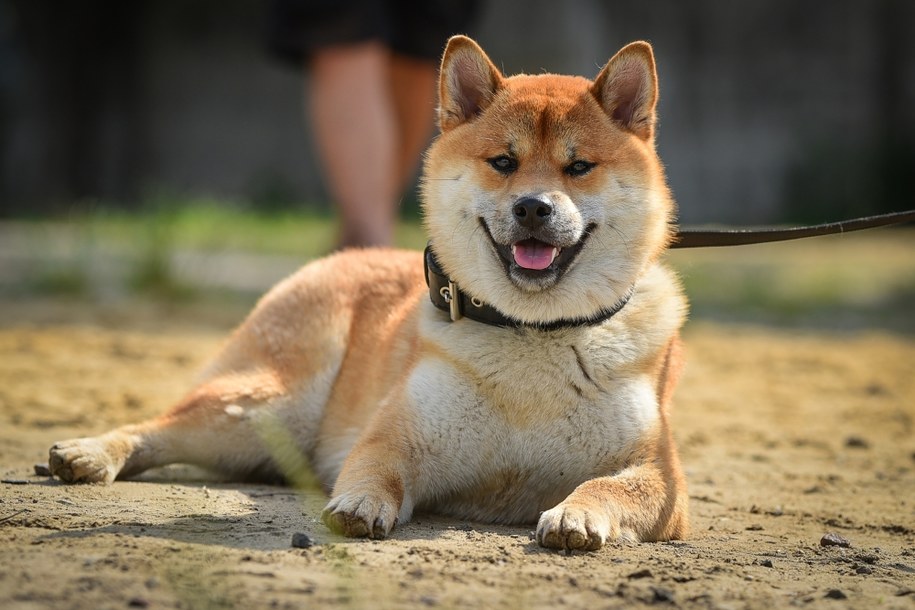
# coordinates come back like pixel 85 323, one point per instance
pixel 213 225
pixel 149 240
pixel 62 281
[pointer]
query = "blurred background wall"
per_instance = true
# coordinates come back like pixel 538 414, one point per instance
pixel 771 110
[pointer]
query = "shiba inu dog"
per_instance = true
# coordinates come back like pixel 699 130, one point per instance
pixel 532 387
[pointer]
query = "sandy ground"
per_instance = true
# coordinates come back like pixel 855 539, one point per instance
pixel 785 435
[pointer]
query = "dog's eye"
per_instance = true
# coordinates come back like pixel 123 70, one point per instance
pixel 503 164
pixel 579 168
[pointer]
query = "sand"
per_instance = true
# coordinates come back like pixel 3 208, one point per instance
pixel 786 436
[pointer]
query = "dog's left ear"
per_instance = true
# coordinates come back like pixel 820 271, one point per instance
pixel 467 82
pixel 627 89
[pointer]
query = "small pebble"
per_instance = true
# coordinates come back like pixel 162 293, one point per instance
pixel 833 539
pixel 138 602
pixel 662 595
pixel 835 594
pixel 856 442
pixel 42 470
pixel 302 541
pixel 646 573
pixel 767 563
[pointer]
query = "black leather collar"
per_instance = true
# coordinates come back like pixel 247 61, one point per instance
pixel 447 296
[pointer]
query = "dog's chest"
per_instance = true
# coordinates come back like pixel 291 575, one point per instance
pixel 512 431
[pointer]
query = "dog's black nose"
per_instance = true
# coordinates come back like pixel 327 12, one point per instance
pixel 532 213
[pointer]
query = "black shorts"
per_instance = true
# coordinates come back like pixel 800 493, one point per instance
pixel 416 28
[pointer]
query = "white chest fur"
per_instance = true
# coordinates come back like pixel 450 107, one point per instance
pixel 508 422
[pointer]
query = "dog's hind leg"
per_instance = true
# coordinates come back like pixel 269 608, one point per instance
pixel 241 425
pixel 259 404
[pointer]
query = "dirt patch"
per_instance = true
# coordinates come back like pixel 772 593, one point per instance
pixel 785 435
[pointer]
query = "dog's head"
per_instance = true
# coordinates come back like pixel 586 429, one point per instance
pixel 544 196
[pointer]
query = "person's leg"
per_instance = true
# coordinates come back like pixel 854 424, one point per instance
pixel 413 83
pixel 356 133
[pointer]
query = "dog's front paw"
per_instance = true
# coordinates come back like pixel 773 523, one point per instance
pixel 83 460
pixel 359 515
pixel 574 528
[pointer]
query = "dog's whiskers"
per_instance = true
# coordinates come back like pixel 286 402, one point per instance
pixel 623 239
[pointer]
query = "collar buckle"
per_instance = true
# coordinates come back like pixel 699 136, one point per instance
pixel 452 297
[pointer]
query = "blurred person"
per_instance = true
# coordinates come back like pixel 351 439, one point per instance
pixel 372 67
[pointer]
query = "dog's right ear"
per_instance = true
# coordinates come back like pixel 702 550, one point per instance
pixel 468 81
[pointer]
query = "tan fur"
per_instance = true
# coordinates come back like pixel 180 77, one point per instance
pixel 347 373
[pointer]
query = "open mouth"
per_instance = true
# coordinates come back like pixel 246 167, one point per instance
pixel 533 259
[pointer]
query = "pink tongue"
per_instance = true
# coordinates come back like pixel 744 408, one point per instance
pixel 532 254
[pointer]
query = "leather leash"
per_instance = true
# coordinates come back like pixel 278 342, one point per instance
pixel 713 238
